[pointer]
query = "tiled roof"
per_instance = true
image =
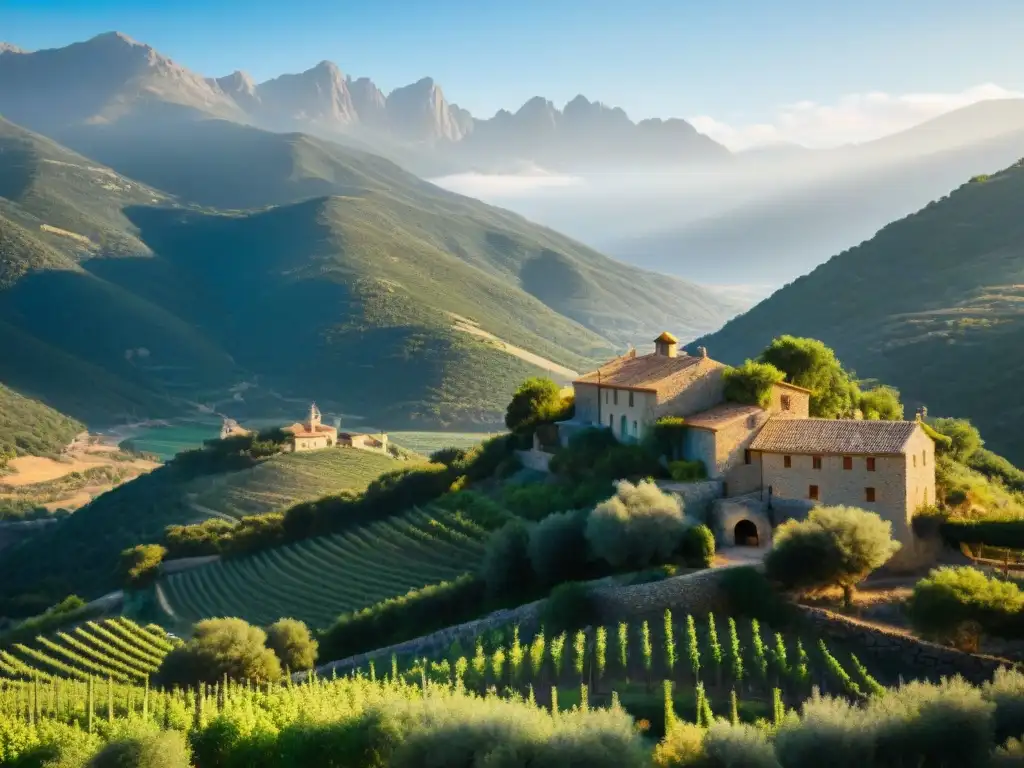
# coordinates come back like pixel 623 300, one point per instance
pixel 650 373
pixel 845 436
pixel 301 430
pixel 721 416
pixel 666 338
pixel 787 385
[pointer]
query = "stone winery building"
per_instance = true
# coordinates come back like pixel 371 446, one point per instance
pixel 314 434
pixel 770 463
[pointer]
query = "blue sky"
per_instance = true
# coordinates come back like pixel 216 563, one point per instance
pixel 735 60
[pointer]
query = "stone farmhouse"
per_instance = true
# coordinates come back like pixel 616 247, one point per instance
pixel 769 464
pixel 314 434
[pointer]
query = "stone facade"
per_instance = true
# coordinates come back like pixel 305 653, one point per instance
pixel 790 401
pixel 697 498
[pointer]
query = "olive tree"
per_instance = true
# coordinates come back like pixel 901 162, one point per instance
pixel 834 546
pixel 639 525
pixel 292 643
pixel 221 647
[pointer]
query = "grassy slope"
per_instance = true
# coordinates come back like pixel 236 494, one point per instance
pixel 933 305
pixel 286 480
pixel 28 427
pixel 79 555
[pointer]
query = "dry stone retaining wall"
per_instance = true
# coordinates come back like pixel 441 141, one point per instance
pixel 902 651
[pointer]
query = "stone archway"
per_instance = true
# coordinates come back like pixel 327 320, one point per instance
pixel 745 534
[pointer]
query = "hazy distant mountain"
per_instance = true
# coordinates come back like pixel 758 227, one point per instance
pixel 933 304
pixel 112 78
pixel 822 201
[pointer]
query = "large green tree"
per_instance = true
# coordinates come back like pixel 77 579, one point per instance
pixel 536 400
pixel 834 546
pixel 810 364
pixel 881 404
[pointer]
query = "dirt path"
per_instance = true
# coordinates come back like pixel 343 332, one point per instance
pixel 467 326
pixel 164 603
pixel 30 470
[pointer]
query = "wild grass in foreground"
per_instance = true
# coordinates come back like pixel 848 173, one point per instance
pixel 371 722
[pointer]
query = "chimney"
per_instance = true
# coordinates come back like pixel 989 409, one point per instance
pixel 666 345
pixel 922 413
pixel 702 351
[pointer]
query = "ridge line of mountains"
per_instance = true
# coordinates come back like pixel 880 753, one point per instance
pixel 108 77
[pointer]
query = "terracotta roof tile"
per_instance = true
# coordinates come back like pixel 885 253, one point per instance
pixel 721 416
pixel 844 436
pixel 651 373
pixel 666 338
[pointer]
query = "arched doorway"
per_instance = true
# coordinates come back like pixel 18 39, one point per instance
pixel 745 534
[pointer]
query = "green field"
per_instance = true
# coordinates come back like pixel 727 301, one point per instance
pixel 318 579
pixel 115 648
pixel 425 443
pixel 290 478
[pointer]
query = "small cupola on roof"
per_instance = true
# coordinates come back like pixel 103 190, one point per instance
pixel 666 345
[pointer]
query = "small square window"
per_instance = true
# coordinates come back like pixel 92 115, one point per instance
pixel 869 494
pixel 871 463
pixel 784 400
pixel 615 397
pixel 606 396
pixel 913 460
pixel 787 461
pixel 816 462
pixel 924 458
pixel 812 492
pixel 631 399
pixel 746 456
pixel 847 462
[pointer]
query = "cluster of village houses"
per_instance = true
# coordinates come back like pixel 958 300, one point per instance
pixel 313 435
pixel 778 457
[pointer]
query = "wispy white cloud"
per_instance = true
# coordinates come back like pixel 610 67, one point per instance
pixel 854 118
pixel 507 186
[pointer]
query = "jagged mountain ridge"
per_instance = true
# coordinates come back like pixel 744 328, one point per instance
pixel 112 77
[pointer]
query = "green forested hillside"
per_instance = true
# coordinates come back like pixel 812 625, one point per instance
pixel 80 554
pixel 30 428
pixel 345 289
pixel 933 304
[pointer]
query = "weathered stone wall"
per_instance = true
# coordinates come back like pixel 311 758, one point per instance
pixel 697 497
pixel 697 593
pixel 690 593
pixel 899 651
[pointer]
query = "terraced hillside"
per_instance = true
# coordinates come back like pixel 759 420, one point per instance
pixel 288 479
pixel 318 579
pixel 113 648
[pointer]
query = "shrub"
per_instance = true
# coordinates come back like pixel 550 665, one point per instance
pixel 682 746
pixel 698 546
pixel 726 746
pixel 994 466
pixel 140 565
pixel 943 443
pixel 640 525
pixel 397 619
pixel 827 726
pixel 585 447
pixel 206 538
pixel 834 546
pixel 687 471
pixel 535 400
pixel 145 749
pixel 881 404
pixel 535 501
pixel 749 593
pixel 1006 691
pixel 667 436
pixel 569 606
pixel 448 456
pixel 505 568
pixel 965 439
pixel 558 548
pixel 627 461
pixel 292 643
pixel 220 647
pixel 953 597
pixel 751 383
